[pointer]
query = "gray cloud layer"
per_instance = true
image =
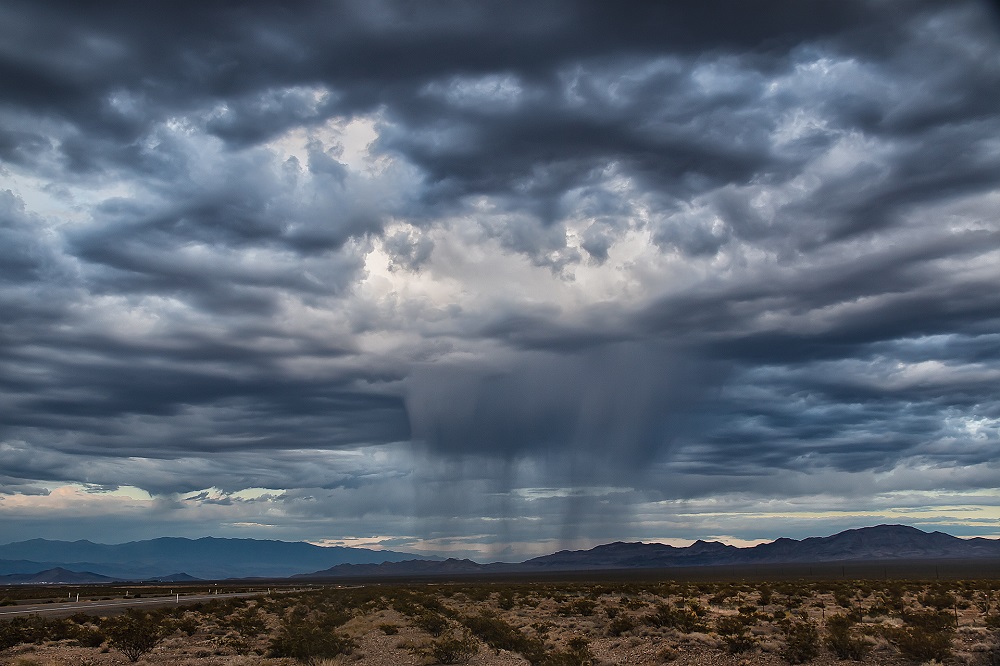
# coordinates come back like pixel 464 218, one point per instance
pixel 554 266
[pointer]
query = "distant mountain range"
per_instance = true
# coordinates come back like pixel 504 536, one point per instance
pixel 882 542
pixel 41 561
pixel 56 575
pixel 207 558
pixel 62 576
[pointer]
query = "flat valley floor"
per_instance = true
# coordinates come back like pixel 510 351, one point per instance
pixel 730 623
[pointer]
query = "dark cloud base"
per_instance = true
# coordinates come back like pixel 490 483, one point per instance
pixel 589 263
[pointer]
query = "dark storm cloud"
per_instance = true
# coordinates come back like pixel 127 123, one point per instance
pixel 755 239
pixel 621 403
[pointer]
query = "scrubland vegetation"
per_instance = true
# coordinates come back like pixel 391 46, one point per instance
pixel 542 624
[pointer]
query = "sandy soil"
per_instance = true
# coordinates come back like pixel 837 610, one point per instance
pixel 610 627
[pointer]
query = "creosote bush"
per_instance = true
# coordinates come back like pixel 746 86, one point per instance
pixel 686 619
pixel 134 633
pixel 453 649
pixel 620 625
pixel 304 636
pixel 735 632
pixel 431 622
pixel 801 642
pixel 841 641
pixel 926 636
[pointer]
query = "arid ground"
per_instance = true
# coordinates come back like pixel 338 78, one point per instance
pixel 540 623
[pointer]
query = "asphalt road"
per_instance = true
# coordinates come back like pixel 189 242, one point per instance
pixel 113 606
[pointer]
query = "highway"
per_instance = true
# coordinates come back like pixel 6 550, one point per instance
pixel 114 606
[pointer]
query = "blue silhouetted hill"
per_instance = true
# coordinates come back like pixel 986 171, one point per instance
pixel 867 544
pixel 205 558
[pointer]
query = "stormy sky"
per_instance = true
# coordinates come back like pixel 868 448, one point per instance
pixel 492 278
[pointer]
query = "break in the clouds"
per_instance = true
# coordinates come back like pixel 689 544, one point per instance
pixel 487 278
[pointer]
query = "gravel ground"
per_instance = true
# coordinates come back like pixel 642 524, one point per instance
pixel 384 636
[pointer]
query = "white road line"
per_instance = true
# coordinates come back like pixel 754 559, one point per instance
pixel 85 605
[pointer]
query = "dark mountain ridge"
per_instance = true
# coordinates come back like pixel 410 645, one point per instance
pixel 55 575
pixel 212 558
pixel 206 558
pixel 878 543
pixel 881 542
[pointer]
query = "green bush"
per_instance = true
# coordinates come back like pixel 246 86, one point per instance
pixel 454 650
pixel 735 632
pixel 620 624
pixel 500 635
pixel 302 639
pixel 686 620
pixel 189 625
pixel 927 635
pixel 582 607
pixel 801 642
pixel 88 637
pixel 920 646
pixel 433 623
pixel 841 641
pixel 134 633
pixel 938 600
pixel 578 654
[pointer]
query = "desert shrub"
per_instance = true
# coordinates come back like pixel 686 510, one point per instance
pixel 433 623
pixel 134 633
pixel 10 634
pixel 87 636
pixel 244 627
pixel 582 607
pixel 388 629
pixel 841 641
pixel 477 593
pixel 877 609
pixel 578 654
pixel 720 597
pixel 927 635
pixel 938 599
pixel 427 600
pixel 453 650
pixel 620 624
pixel 918 646
pixel 33 629
pixel 990 656
pixel 764 594
pixel 930 621
pixel 843 597
pixel 505 601
pixel 500 635
pixel 893 596
pixel 188 625
pixel 801 642
pixel 667 654
pixel 686 620
pixel 735 632
pixel 303 639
